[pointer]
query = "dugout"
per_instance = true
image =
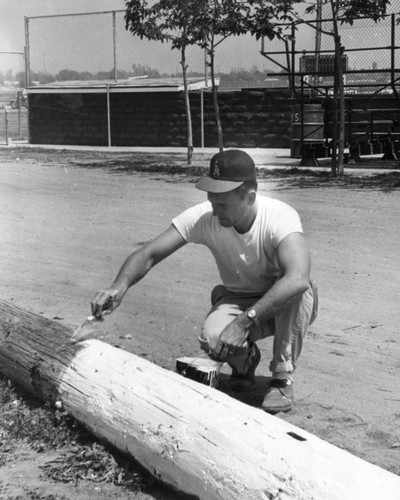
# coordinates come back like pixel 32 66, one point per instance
pixel 151 113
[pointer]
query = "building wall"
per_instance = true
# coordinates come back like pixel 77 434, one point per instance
pixel 252 118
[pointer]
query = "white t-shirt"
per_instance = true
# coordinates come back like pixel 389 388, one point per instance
pixel 247 262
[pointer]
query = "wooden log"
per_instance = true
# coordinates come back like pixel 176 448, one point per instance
pixel 192 437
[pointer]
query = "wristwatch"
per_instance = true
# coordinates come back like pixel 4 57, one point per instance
pixel 252 314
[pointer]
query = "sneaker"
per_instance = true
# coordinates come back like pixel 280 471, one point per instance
pixel 279 397
pixel 244 381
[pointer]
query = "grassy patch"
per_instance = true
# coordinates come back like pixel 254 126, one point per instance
pixel 81 456
pixel 34 495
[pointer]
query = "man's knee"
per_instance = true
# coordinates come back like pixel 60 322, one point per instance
pixel 209 338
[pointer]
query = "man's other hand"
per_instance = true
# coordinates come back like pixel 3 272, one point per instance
pixel 232 337
pixel 105 301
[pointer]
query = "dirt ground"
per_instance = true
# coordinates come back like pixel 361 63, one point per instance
pixel 68 220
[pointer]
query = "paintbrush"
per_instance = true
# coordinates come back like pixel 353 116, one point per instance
pixel 88 329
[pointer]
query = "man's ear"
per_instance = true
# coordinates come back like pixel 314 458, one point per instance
pixel 251 196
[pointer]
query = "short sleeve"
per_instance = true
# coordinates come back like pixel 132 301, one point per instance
pixel 190 223
pixel 284 224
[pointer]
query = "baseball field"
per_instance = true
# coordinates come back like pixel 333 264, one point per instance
pixel 69 218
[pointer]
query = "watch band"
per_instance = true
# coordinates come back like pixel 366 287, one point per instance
pixel 252 315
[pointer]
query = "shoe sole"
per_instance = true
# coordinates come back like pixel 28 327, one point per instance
pixel 274 411
pixel 283 408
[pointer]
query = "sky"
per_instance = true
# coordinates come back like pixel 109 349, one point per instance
pixel 12 13
pixel 85 42
pixel 12 24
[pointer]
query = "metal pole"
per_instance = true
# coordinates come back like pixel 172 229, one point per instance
pixel 317 43
pixel 6 120
pixel 202 116
pixel 27 71
pixel 26 50
pixel 115 45
pixel 108 117
pixel 293 68
pixel 19 115
pixel 392 54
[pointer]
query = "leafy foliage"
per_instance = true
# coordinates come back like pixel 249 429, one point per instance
pixel 93 463
pixel 28 420
pixel 350 10
pixel 82 457
pixel 166 20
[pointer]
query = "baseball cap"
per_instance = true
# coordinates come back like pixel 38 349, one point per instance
pixel 228 170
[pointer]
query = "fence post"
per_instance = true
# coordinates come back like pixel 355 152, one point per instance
pixel 108 116
pixel 6 123
pixel 26 50
pixel 115 45
pixel 19 115
pixel 202 116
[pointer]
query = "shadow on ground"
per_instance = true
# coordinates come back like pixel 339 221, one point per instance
pixel 173 168
pixel 299 178
pixel 291 177
pixel 254 397
pixel 170 169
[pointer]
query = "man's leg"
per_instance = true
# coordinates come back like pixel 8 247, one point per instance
pixel 291 323
pixel 218 318
pixel 226 306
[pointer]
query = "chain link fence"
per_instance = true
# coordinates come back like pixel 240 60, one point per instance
pixel 14 121
pixel 13 112
pixel 371 55
pixel 96 46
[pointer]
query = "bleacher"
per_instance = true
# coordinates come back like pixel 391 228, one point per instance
pixel 372 127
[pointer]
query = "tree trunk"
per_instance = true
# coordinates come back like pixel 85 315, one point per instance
pixel 335 135
pixel 215 98
pixel 340 100
pixel 192 437
pixel 341 110
pixel 188 111
pixel 338 160
pixel 335 126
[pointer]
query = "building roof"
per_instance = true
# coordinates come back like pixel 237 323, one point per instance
pixel 134 84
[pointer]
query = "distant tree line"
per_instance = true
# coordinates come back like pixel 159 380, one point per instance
pixel 42 78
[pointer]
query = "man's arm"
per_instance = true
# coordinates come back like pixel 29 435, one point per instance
pixel 136 266
pixel 295 266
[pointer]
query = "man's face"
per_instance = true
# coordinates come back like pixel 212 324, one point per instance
pixel 230 207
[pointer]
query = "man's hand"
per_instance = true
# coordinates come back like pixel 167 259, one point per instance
pixel 105 301
pixel 233 336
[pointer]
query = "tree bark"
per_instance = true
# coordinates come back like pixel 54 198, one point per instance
pixel 218 124
pixel 192 437
pixel 188 110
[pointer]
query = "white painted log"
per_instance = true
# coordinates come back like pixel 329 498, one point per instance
pixel 194 438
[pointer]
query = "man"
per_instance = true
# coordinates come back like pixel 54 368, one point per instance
pixel 264 265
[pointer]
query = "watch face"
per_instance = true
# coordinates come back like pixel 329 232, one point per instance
pixel 251 313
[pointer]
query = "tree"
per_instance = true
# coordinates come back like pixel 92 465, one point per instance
pixel 206 23
pixel 167 21
pixel 218 20
pixel 67 74
pixel 343 12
